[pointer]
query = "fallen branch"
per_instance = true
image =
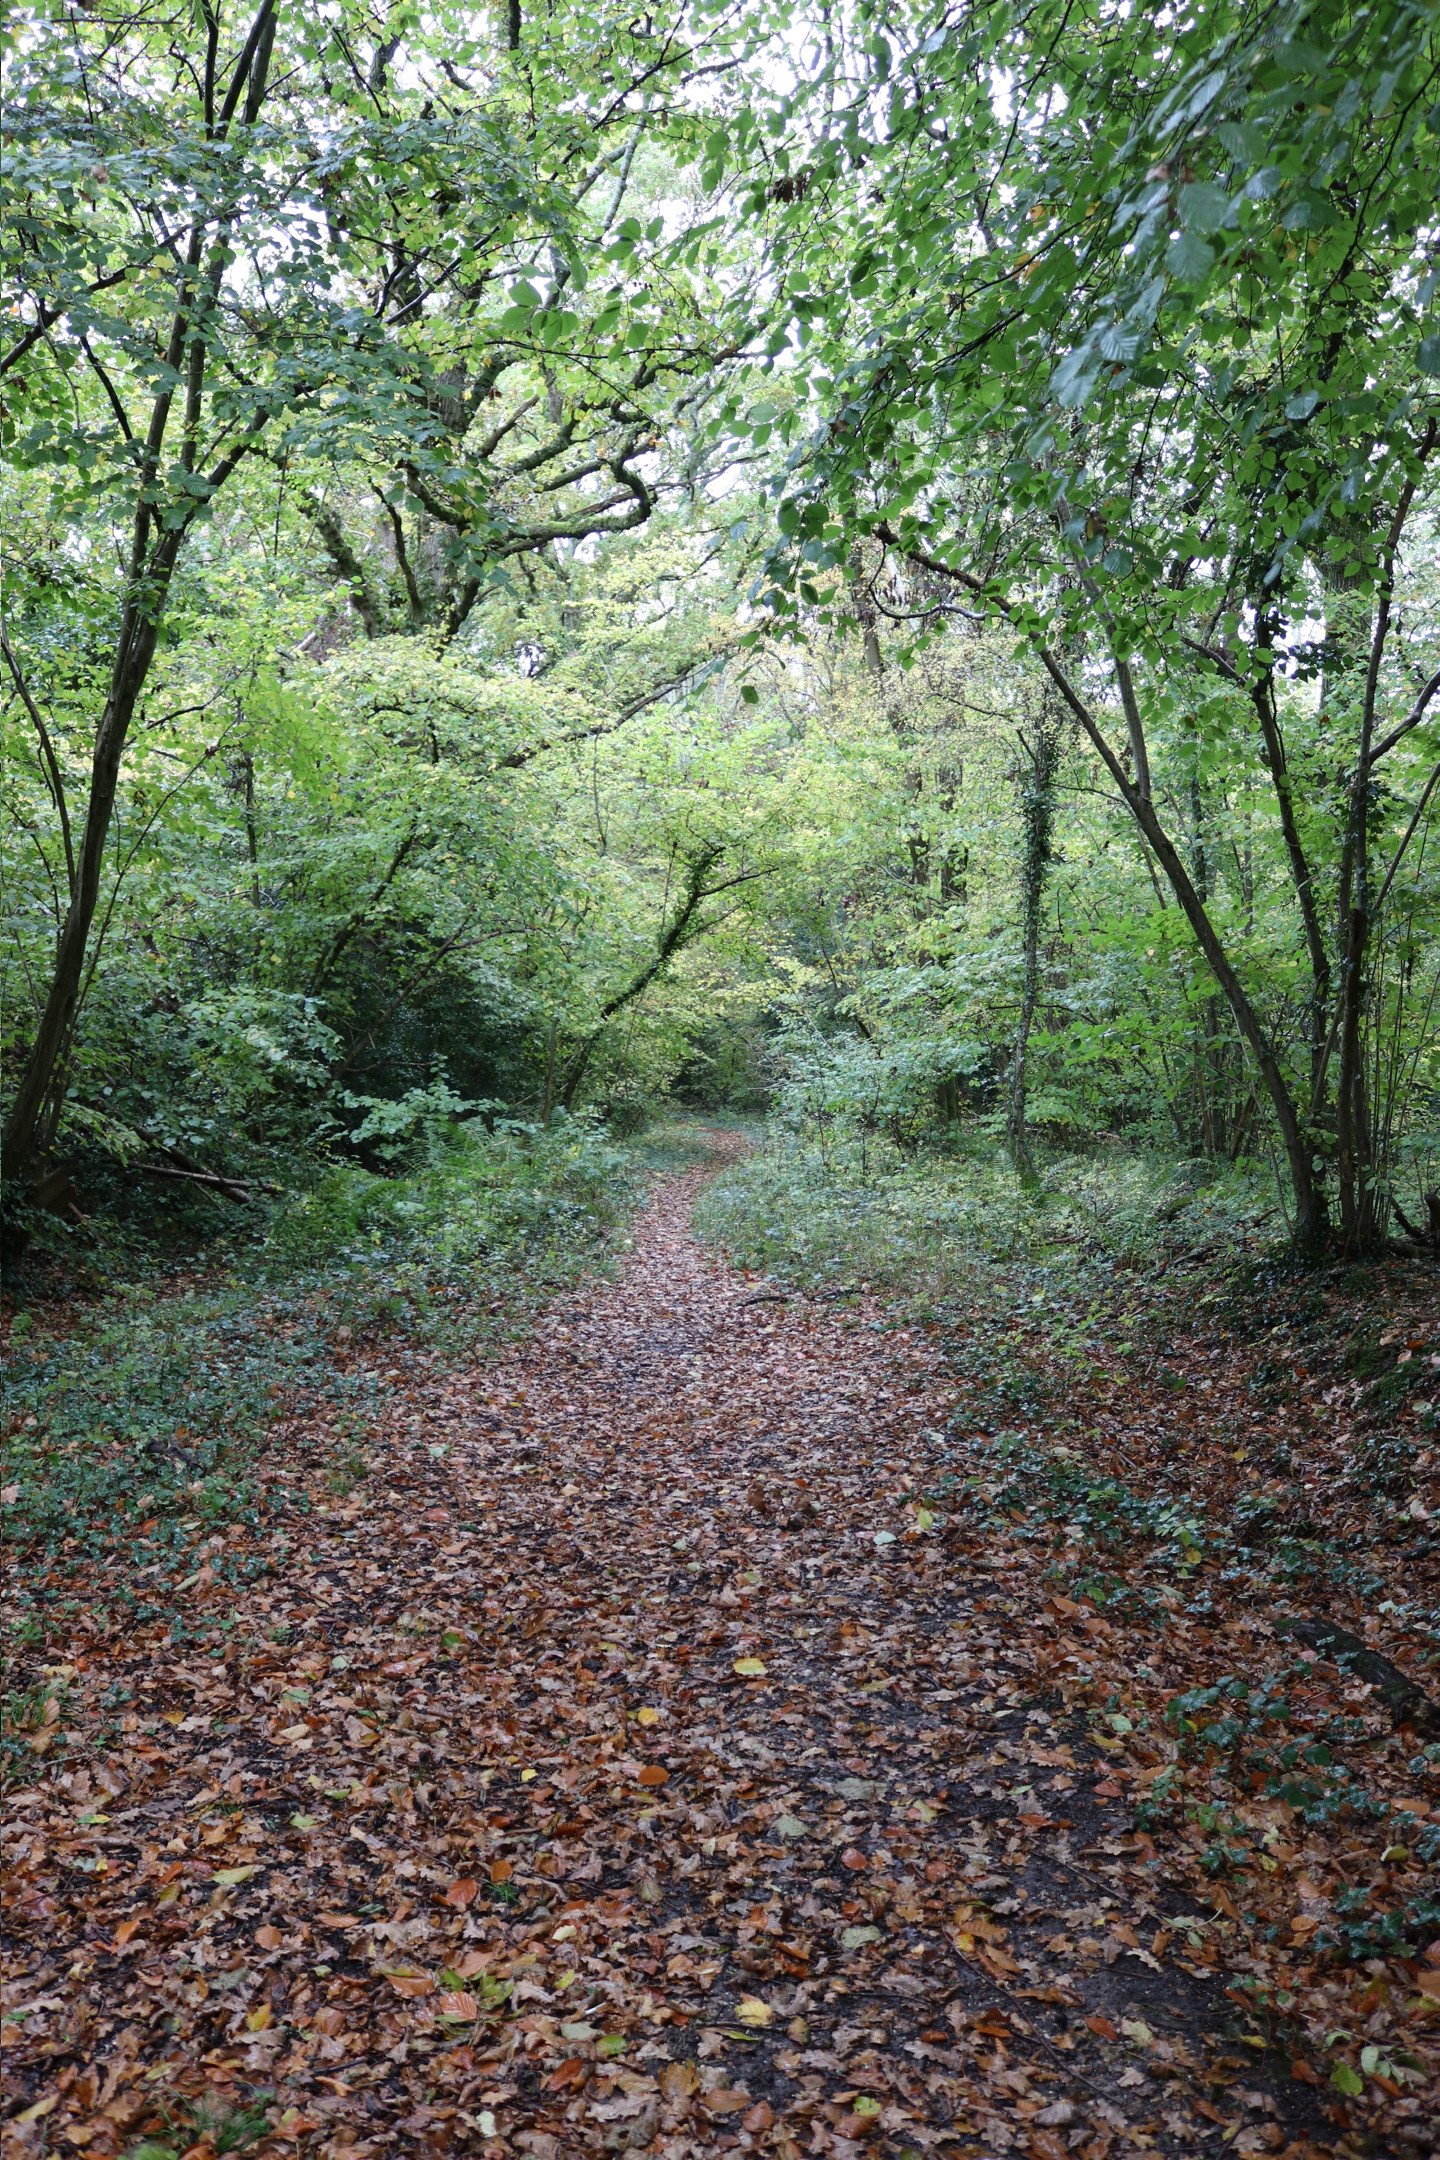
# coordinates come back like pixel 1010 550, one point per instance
pixel 1407 1702
pixel 231 1187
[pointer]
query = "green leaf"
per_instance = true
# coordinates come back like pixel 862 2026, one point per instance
pixel 1346 2080
pixel 1188 258
pixel 1203 208
pixel 1429 354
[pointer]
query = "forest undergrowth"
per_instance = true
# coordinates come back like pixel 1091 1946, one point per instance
pixel 1218 1474
pixel 153 1401
pixel 871 1697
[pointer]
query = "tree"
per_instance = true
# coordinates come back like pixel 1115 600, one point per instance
pixel 297 237
pixel 1129 333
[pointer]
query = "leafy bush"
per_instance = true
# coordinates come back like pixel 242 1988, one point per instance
pixel 817 1210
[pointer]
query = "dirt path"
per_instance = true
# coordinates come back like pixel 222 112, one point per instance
pixel 637 1768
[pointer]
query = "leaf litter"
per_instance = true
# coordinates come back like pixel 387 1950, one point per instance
pixel 672 1747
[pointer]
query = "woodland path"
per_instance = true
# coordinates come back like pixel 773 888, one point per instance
pixel 646 1770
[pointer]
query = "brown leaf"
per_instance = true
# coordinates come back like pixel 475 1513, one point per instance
pixel 725 2100
pixel 1048 2145
pixel 457 2003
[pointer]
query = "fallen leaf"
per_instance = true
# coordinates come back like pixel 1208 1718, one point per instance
pixel 457 2003
pixel 463 1891
pixel 726 2100
pixel 752 2010
pixel 653 1774
pixel 750 1668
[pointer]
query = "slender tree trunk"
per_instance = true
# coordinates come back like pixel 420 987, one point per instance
pixel 1311 1220
pixel 547 1103
pixel 1311 1223
pixel 154 550
pixel 1301 877
pixel 1037 809
pixel 252 836
pixel 30 1123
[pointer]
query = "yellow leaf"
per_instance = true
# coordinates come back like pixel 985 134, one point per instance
pixel 258 2020
pixel 232 1875
pixel 750 1668
pixel 647 1716
pixel 752 2011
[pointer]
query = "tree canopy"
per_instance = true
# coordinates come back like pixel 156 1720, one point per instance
pixel 875 558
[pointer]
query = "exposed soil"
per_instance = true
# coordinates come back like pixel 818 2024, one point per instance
pixel 634 1761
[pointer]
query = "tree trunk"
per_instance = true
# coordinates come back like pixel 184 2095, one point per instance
pixel 154 550
pixel 1311 1225
pixel 33 1113
pixel 1037 810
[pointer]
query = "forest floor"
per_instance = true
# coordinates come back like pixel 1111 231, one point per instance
pixel 656 1747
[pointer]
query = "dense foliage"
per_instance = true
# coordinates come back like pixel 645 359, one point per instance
pixel 884 564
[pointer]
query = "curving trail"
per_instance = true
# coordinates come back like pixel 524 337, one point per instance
pixel 647 1770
